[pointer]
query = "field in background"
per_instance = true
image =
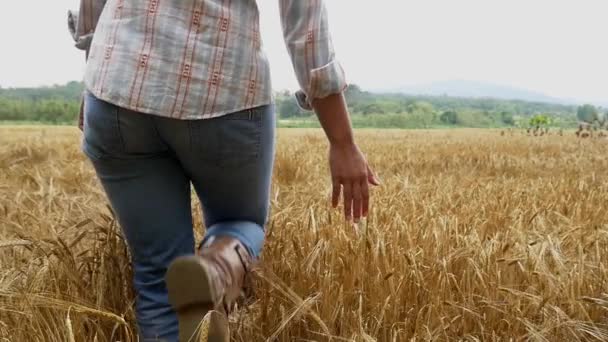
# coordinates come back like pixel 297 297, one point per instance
pixel 472 236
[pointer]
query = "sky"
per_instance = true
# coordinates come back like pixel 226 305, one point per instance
pixel 557 47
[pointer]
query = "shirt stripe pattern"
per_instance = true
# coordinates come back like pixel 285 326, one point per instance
pixel 198 59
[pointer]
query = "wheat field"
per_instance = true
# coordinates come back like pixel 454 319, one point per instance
pixel 472 236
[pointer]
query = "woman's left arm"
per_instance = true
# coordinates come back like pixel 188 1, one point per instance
pixel 82 25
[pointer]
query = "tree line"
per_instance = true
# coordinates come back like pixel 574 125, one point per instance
pixel 55 104
pixel 407 111
pixel 61 103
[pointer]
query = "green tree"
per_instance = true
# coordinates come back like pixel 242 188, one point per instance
pixel 288 107
pixel 372 108
pixel 449 117
pixel 421 107
pixel 507 118
pixel 587 113
pixel 539 120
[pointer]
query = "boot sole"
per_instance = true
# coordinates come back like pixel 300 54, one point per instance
pixel 191 295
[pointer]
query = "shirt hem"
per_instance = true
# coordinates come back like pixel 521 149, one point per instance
pixel 155 112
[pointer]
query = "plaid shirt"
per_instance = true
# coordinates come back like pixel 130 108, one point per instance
pixel 195 59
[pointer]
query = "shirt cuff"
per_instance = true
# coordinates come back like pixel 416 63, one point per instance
pixel 72 24
pixel 324 81
pixel 82 41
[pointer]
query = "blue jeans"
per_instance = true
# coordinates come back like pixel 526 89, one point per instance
pixel 146 164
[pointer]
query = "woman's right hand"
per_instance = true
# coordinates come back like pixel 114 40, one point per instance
pixel 350 175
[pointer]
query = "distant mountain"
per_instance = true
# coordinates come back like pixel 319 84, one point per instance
pixel 475 89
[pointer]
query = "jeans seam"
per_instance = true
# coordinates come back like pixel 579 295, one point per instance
pixel 153 119
pixel 258 135
pixel 258 139
pixel 119 131
pixel 190 143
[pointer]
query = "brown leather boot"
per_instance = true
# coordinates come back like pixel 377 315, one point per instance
pixel 209 282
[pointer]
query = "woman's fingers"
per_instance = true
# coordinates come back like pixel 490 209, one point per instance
pixel 347 191
pixel 335 195
pixel 365 195
pixel 371 177
pixel 355 194
pixel 357 201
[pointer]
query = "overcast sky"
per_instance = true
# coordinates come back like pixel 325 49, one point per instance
pixel 558 47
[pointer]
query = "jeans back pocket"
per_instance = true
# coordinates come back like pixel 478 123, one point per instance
pixel 239 138
pixel 102 137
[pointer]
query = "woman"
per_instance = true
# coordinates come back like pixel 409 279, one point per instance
pixel 179 93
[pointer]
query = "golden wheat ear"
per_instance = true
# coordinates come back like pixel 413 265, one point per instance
pixel 204 328
pixel 213 328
